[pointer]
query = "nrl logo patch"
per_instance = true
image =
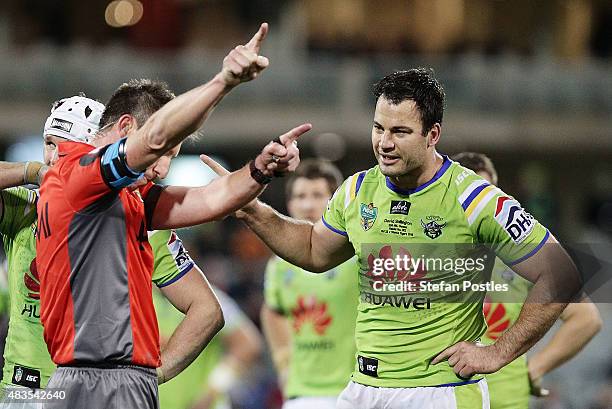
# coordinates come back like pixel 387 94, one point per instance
pixel 432 229
pixel 369 213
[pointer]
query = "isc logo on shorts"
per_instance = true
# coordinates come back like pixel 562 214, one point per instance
pixel 511 216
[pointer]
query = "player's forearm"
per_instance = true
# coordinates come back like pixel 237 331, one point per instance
pixel 287 237
pixel 199 326
pixel 174 122
pixel 581 321
pixel 19 173
pixel 557 282
pixel 533 322
pixel 276 332
pixel 181 207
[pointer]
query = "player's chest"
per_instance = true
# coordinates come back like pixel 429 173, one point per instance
pixel 389 219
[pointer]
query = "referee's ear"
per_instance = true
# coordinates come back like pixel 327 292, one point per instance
pixel 125 124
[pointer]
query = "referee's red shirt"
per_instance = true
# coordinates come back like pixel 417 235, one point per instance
pixel 95 265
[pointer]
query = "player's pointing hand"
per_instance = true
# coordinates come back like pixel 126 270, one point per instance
pixel 244 63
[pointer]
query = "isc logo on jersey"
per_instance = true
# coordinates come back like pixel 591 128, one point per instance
pixel 511 216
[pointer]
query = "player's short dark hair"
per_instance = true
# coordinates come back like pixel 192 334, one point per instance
pixel 478 162
pixel 315 169
pixel 139 98
pixel 418 85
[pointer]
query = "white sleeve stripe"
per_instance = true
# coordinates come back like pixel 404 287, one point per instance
pixel 347 191
pixel 470 189
pixel 483 203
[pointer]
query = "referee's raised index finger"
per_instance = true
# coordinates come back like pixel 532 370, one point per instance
pixel 254 43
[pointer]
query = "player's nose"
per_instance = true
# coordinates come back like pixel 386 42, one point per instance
pixel 386 142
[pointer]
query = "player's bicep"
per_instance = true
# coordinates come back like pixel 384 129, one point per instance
pixel 329 248
pixel 191 289
pixel 553 265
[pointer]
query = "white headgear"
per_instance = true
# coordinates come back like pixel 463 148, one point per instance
pixel 75 118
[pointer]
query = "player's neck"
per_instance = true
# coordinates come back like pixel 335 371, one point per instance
pixel 421 175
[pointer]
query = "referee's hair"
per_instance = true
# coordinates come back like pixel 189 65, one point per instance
pixel 478 162
pixel 315 169
pixel 139 98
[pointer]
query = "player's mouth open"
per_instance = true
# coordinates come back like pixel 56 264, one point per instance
pixel 388 159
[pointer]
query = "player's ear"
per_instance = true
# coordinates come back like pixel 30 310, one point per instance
pixel 433 136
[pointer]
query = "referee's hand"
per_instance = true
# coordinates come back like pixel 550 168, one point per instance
pixel 282 155
pixel 244 63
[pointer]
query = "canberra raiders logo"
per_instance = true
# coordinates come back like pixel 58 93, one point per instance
pixel 432 229
pixel 18 374
pixel 368 215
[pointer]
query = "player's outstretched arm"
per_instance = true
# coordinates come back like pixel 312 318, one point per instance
pixel 311 246
pixel 556 280
pixel 580 322
pixel 185 114
pixel 14 174
pixel 193 296
pixel 188 206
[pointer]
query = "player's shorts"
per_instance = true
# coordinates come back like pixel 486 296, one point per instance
pixel 508 393
pixel 310 402
pixel 469 396
pixel 112 387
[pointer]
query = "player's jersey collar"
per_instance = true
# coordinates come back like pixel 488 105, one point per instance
pixel 445 165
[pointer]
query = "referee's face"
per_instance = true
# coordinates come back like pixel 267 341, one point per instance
pixel 160 169
pixel 399 145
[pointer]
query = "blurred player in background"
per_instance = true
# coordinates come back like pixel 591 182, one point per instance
pixel 510 387
pixel 309 319
pixel 412 352
pixel 206 383
pixel 27 360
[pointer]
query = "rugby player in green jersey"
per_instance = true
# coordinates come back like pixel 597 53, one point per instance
pixel 27 361
pixel 418 347
pixel 206 383
pixel 510 387
pixel 309 319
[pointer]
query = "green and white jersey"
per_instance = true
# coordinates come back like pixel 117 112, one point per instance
pixel 437 238
pixel 321 310
pixel 508 387
pixel 184 390
pixel 26 359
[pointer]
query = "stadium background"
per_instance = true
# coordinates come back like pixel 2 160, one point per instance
pixel 528 82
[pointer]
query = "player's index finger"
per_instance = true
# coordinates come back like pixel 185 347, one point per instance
pixel 443 355
pixel 214 165
pixel 254 43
